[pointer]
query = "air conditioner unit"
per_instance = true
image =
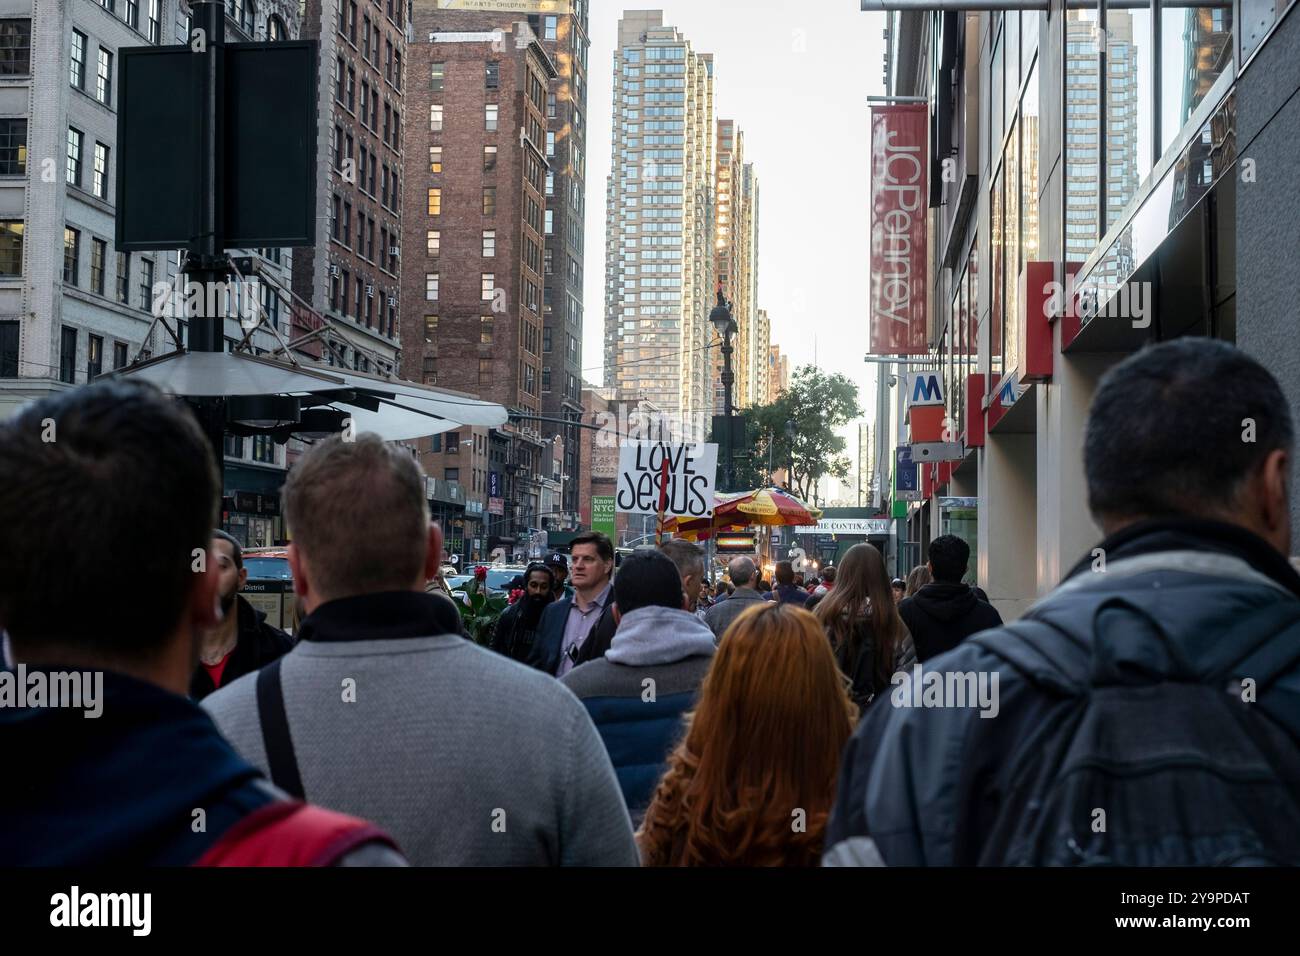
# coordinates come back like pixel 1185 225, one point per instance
pixel 334 270
pixel 370 292
pixel 392 250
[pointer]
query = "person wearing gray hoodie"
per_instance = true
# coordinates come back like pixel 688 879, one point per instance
pixel 650 676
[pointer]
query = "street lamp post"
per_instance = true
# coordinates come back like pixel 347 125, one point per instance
pixel 722 320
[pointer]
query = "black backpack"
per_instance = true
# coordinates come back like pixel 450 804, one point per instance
pixel 1149 772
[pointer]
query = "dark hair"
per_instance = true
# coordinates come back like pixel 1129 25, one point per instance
pixel 1166 431
pixel 536 567
pixel 828 574
pixel 102 488
pixel 949 558
pixel 604 547
pixel 235 546
pixel 784 572
pixel 647 578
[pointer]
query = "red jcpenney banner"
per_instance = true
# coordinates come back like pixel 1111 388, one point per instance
pixel 899 201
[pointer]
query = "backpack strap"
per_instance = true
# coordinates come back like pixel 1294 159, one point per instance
pixel 290 833
pixel 280 758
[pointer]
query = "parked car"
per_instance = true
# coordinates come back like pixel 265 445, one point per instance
pixel 499 577
pixel 269 586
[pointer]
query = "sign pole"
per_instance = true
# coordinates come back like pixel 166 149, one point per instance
pixel 663 503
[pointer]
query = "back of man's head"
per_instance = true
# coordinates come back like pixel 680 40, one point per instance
pixel 741 571
pixel 784 572
pixel 107 494
pixel 647 578
pixel 688 557
pixel 358 517
pixel 1179 428
pixel 949 558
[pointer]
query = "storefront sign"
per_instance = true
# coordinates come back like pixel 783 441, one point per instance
pixel 899 205
pixel 867 526
pixel 560 7
pixel 496 506
pixel 906 484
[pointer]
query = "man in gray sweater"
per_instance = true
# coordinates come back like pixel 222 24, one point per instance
pixel 465 757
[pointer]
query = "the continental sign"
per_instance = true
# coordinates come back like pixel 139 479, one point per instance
pixel 508 6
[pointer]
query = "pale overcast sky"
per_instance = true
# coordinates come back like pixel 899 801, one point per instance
pixel 795 75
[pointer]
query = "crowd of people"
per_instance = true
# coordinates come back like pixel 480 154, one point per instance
pixel 644 716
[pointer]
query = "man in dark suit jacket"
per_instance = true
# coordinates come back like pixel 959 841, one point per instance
pixel 579 629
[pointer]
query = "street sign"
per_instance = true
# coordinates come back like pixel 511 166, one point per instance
pixel 906 481
pixel 692 478
pixel 268 160
pixel 735 542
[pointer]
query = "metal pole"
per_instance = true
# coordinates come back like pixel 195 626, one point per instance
pixel 728 378
pixel 206 263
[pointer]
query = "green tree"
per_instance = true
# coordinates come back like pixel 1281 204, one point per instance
pixel 802 422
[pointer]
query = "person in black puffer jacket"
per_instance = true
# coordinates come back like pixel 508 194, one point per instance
pixel 870 641
pixel 945 612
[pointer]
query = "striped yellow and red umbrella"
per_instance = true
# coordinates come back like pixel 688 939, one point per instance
pixel 763 506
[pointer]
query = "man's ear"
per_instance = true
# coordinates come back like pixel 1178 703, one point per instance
pixel 243 579
pixel 1272 503
pixel 204 611
pixel 301 583
pixel 433 556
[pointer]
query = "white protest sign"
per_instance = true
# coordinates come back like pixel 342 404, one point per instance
pixel 692 477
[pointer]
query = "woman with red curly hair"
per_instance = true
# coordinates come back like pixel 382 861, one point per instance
pixel 752 782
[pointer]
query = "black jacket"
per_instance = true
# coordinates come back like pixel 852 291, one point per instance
pixel 545 655
pixel 857 660
pixel 258 644
pixel 512 636
pixel 940 616
pixel 1182 600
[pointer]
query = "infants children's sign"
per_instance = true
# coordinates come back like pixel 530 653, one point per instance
pixel 692 477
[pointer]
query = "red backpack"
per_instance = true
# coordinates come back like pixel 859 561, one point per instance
pixel 292 833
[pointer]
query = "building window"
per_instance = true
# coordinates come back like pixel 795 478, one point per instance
pixel 431 286
pixel 11 247
pixel 484 372
pixel 75 138
pixel 13 147
pixel 430 329
pixel 430 370
pixel 550 221
pixel 275 29
pixel 435 159
pixel 352 90
pixel 155 21
pixel 8 349
pixel 437 76
pixel 434 242
pixel 485 330
pixel 71 254
pixel 94 357
pixel 104 77
pixel 489 200
pixel 68 356
pixel 488 285
pixel 435 201
pixel 489 243
pixel 264 449
pixel 435 118
pixel 492 79
pixel 119 355
pixel 98 255
pixel 490 118
pixel 550 142
pixel 124 277
pixel 16 47
pixel 132 14
pixel 489 158
pixel 550 27
pixel 77 76
pixel 99 178
pixel 146 284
